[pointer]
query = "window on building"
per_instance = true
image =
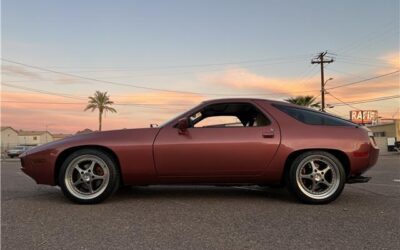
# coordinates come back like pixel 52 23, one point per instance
pixel 35 138
pixel 379 134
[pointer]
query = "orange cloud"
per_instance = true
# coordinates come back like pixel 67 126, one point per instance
pixel 241 78
pixel 392 59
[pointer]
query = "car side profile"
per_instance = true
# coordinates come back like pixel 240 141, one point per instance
pixel 219 142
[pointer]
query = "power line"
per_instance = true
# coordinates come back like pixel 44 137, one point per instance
pixel 383 98
pixel 71 103
pixel 366 39
pixel 343 102
pixel 183 92
pixel 276 60
pixel 364 80
pixel 98 80
pixel 75 98
pixel 152 75
pixel 365 59
pixel 43 91
pixel 370 64
pixel 147 88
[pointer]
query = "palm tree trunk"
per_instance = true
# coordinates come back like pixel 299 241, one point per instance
pixel 100 119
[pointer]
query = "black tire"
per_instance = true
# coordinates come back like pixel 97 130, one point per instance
pixel 108 189
pixel 300 182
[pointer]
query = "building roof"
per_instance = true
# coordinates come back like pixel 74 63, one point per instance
pixel 8 127
pixel 60 135
pixel 85 131
pixel 32 133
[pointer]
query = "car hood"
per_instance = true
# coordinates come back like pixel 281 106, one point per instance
pixel 103 138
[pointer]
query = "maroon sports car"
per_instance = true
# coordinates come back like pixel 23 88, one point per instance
pixel 219 142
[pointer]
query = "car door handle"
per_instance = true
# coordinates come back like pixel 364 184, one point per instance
pixel 268 134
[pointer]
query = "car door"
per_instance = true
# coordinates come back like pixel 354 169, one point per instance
pixel 215 151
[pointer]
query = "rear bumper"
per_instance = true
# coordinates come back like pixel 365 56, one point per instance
pixel 373 155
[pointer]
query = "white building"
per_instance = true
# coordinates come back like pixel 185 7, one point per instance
pixel 57 137
pixel 34 138
pixel 9 138
pixel 387 134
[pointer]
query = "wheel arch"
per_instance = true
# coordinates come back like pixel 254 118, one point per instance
pixel 66 152
pixel 340 155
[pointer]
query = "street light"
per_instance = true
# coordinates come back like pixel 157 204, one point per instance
pixel 323 94
pixel 328 80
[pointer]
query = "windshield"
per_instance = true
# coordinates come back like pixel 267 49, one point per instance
pixel 181 114
pixel 170 120
pixel 19 148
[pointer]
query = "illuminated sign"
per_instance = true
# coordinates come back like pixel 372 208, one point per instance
pixel 364 116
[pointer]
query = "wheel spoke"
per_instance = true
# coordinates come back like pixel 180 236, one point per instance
pixel 325 182
pixel 326 168
pixel 306 176
pixel 314 167
pixel 89 185
pixel 79 169
pixel 97 177
pixel 77 182
pixel 92 166
pixel 314 186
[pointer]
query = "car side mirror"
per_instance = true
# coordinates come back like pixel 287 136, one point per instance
pixel 183 125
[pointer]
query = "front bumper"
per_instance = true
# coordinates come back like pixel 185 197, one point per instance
pixel 38 167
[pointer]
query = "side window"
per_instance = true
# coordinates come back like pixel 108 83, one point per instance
pixel 313 117
pixel 224 115
pixel 219 122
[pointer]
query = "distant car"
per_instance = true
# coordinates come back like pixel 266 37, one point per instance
pixel 16 151
pixel 220 142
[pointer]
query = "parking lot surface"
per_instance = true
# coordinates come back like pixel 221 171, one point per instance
pixel 366 216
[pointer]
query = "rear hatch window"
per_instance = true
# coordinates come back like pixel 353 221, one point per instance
pixel 313 117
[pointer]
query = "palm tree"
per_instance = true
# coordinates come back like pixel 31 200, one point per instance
pixel 307 101
pixel 100 101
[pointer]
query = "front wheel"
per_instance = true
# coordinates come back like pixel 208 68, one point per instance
pixel 316 177
pixel 88 176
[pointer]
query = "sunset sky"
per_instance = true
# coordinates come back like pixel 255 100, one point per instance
pixel 158 58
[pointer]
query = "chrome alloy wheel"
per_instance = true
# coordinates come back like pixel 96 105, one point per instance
pixel 318 177
pixel 87 176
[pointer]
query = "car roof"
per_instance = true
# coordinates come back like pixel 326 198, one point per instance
pixel 243 99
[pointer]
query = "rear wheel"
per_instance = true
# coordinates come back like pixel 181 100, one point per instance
pixel 316 177
pixel 88 176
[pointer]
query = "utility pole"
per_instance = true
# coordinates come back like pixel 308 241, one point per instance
pixel 320 60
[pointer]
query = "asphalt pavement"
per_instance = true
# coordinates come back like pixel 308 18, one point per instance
pixel 366 216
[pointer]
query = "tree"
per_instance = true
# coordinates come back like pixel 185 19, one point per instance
pixel 307 101
pixel 102 102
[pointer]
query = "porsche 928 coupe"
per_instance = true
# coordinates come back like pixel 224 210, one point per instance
pixel 219 142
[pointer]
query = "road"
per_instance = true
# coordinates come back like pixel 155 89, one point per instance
pixel 366 216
